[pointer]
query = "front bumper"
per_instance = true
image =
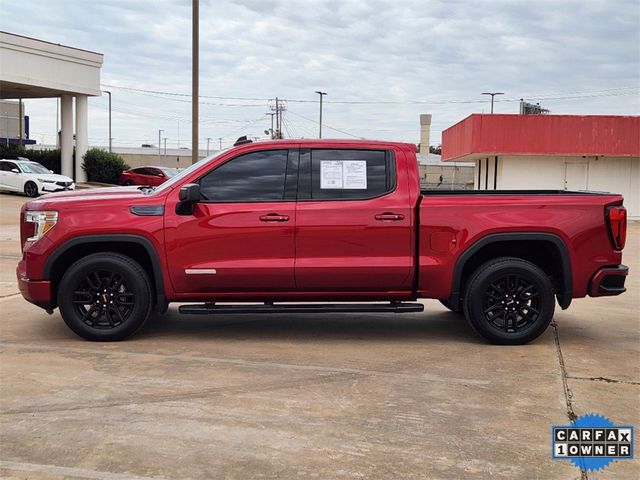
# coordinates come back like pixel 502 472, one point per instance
pixel 608 281
pixel 54 187
pixel 37 292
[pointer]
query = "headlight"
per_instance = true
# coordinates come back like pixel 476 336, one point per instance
pixel 44 221
pixel 44 180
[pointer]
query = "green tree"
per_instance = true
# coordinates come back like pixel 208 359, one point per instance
pixel 103 166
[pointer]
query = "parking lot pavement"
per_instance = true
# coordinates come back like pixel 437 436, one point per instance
pixel 340 396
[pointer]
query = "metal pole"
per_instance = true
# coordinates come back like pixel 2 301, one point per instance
pixel 109 93
pixel 57 120
pixel 195 64
pixel 322 94
pixel 277 120
pixel 160 143
pixel 493 94
pixel 208 140
pixel 220 140
pixel 272 114
pixel 165 145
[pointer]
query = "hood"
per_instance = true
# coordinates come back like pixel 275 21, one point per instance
pixel 89 195
pixel 54 177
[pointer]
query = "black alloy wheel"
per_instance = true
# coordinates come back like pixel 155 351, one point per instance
pixel 103 300
pixel 509 301
pixel 31 189
pixel 105 297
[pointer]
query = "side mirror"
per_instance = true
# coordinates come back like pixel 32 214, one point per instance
pixel 15 170
pixel 189 195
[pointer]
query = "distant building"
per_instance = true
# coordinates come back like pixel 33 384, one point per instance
pixel 559 152
pixel 10 116
pixel 436 174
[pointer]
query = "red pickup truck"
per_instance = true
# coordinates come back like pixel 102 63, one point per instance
pixel 266 227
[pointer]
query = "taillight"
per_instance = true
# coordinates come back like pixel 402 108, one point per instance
pixel 617 218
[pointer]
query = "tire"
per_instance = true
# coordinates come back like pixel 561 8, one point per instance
pixel 448 304
pixel 31 189
pixel 105 297
pixel 509 301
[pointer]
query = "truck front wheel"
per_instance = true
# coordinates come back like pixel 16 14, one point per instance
pixel 509 301
pixel 105 297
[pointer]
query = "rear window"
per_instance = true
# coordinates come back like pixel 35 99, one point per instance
pixel 342 174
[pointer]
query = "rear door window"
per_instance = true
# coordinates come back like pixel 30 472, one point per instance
pixel 346 174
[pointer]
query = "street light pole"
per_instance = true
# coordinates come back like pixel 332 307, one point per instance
pixel 160 144
pixel 208 140
pixel 195 67
pixel 272 114
pixel 109 93
pixel 493 94
pixel 322 94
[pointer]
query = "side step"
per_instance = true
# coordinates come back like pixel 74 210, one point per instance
pixel 394 307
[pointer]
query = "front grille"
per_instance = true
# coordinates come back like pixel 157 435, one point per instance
pixel 64 184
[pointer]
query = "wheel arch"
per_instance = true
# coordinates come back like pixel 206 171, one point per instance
pixel 135 247
pixel 516 244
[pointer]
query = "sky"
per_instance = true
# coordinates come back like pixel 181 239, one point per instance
pixel 382 63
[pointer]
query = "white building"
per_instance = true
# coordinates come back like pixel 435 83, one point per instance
pixel 558 152
pixel 34 68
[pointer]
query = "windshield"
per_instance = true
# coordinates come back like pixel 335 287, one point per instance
pixel 183 173
pixel 169 172
pixel 32 167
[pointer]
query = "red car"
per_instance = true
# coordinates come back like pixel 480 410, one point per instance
pixel 318 221
pixel 149 176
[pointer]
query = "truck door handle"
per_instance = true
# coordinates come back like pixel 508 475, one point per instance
pixel 389 217
pixel 274 217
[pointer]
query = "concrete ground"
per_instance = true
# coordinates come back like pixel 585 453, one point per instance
pixel 342 396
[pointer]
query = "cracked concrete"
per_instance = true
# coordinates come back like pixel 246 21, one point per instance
pixel 307 396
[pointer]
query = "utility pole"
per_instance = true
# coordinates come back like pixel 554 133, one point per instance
pixel 493 94
pixel 109 93
pixel 278 108
pixel 322 94
pixel 195 67
pixel 208 140
pixel 160 144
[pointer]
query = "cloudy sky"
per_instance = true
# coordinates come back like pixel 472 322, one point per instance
pixel 382 63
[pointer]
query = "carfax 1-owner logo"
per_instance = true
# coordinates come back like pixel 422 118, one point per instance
pixel 592 442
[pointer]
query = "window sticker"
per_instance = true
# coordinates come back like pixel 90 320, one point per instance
pixel 354 174
pixel 347 174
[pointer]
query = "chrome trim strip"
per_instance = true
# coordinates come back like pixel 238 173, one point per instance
pixel 200 271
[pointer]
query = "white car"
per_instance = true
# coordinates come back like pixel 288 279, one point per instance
pixel 31 178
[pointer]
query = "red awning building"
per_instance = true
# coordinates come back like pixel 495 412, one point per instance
pixel 559 152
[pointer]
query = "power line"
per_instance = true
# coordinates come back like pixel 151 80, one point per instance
pixel 610 92
pixel 327 126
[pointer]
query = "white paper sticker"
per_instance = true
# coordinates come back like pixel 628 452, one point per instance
pixel 347 174
pixel 330 174
pixel 354 174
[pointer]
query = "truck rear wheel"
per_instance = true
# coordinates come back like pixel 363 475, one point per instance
pixel 509 301
pixel 105 297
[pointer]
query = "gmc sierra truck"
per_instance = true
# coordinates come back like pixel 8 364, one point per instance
pixel 295 226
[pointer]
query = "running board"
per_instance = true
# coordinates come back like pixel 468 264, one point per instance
pixel 209 309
